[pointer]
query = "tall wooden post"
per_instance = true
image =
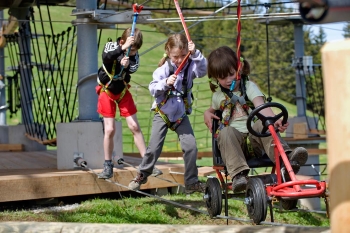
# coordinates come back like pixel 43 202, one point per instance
pixel 336 73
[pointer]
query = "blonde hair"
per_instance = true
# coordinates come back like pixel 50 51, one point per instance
pixel 174 41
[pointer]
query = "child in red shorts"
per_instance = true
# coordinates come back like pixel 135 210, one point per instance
pixel 113 78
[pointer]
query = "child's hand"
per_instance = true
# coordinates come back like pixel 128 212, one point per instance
pixel 129 42
pixel 191 47
pixel 208 116
pixel 171 80
pixel 280 127
pixel 125 61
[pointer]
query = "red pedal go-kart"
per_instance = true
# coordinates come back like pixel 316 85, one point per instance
pixel 261 190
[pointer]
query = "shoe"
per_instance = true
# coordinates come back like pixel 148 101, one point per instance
pixel 297 158
pixel 156 172
pixel 239 182
pixel 195 187
pixel 135 184
pixel 107 171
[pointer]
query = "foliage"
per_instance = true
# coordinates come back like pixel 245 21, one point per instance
pixel 346 30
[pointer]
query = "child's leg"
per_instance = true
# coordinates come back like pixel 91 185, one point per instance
pixel 189 147
pixel 265 143
pixel 134 127
pixel 159 131
pixel 155 146
pixel 230 143
pixel 128 110
pixel 108 143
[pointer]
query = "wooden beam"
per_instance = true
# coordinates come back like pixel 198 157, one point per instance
pixel 206 171
pixel 317 151
pixel 174 154
pixel 336 78
pixel 47 183
pixel 11 147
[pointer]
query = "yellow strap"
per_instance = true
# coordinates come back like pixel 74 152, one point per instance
pixel 122 94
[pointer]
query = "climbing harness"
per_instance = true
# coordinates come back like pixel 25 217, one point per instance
pixel 171 93
pixel 104 89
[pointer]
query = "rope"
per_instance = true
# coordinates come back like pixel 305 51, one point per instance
pixel 269 98
pixel 238 40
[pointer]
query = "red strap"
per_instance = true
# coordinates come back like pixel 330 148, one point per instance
pixel 238 40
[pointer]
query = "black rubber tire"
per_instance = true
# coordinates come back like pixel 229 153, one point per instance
pixel 289 204
pixel 257 208
pixel 214 201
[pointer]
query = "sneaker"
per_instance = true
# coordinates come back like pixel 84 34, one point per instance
pixel 195 187
pixel 156 172
pixel 239 182
pixel 135 184
pixel 107 171
pixel 297 158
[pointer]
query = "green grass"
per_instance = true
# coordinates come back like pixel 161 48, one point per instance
pixel 154 211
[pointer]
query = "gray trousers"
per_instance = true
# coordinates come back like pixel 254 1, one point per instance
pixel 234 151
pixel 187 142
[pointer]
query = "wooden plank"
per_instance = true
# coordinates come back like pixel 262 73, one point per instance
pixel 316 151
pixel 317 131
pixel 206 171
pixel 336 76
pixel 174 154
pixel 27 160
pixel 305 140
pixel 11 147
pixel 34 185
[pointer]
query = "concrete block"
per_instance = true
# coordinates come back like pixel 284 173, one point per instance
pixel 16 135
pixel 85 139
pixel 160 191
pixel 4 134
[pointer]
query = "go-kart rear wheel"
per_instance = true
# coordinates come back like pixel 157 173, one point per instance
pixel 213 197
pixel 256 200
pixel 289 204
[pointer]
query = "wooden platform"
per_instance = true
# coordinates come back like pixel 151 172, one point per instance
pixel 34 175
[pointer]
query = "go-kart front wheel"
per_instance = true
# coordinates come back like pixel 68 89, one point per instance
pixel 256 200
pixel 213 197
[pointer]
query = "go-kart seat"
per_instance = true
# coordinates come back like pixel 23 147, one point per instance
pixel 254 162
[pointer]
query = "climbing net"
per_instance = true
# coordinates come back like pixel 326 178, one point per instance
pixel 43 80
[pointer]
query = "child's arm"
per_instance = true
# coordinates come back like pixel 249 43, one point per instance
pixel 111 52
pixel 257 101
pixel 159 85
pixel 134 63
pixel 200 64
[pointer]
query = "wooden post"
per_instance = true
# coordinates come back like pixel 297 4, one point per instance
pixel 336 75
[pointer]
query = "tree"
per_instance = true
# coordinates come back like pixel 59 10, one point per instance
pixel 346 30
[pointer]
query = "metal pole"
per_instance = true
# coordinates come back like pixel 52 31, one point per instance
pixel 87 64
pixel 2 82
pixel 300 78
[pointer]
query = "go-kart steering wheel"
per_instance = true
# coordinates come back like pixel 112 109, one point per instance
pixel 266 121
